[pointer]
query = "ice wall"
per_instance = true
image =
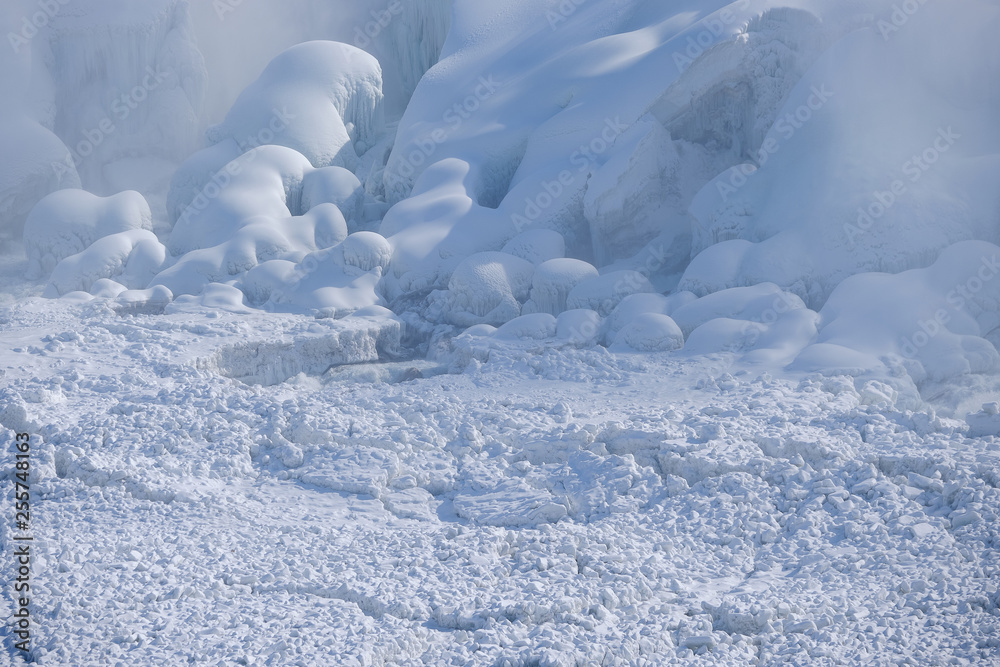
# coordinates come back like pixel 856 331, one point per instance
pixel 129 83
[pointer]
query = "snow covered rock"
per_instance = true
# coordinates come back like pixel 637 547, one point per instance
pixel 487 288
pixel 936 322
pixel 763 303
pixel 579 327
pixel 365 251
pixel 69 221
pixel 130 259
pixel 322 99
pixel 639 304
pixel 553 281
pixel 333 282
pixel 650 332
pixel 264 183
pixel 275 230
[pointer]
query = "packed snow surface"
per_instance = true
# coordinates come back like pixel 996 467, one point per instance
pixel 549 505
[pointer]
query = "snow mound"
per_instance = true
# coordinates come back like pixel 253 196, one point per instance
pixel 552 283
pixel 776 342
pixel 130 259
pixel 605 292
pixel 937 323
pixel 266 182
pixel 763 303
pixel 322 99
pixel 639 304
pixel 649 332
pixel 274 232
pixel 69 221
pixel 33 166
pixel 337 186
pixel 537 326
pixel 195 173
pixel 895 193
pixel 365 251
pixel 486 288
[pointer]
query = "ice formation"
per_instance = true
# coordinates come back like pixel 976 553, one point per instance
pixel 131 259
pixel 650 332
pixel 129 84
pixel 657 332
pixel 552 283
pixel 323 99
pixel 69 221
pixel 697 162
pixel 486 288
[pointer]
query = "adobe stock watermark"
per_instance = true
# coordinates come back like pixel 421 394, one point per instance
pixel 31 25
pixel 224 7
pixel 121 108
pixel 957 299
pixel 714 28
pixel 913 170
pixel 563 11
pixel 899 17
pixel 381 19
pixel 279 122
pixel 454 117
pixel 786 126
pixel 583 158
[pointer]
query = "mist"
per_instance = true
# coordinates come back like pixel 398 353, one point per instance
pixel 239 37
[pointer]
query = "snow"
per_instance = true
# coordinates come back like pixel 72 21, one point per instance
pixel 739 515
pixel 552 283
pixel 31 169
pixel 337 186
pixel 130 258
pixel 69 221
pixel 129 81
pixel 486 288
pixel 650 332
pixel 604 293
pixel 517 333
pixel 537 246
pixel 535 326
pixel 322 99
pixel 934 322
pixel 640 304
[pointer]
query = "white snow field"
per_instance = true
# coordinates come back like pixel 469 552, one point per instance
pixel 513 333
